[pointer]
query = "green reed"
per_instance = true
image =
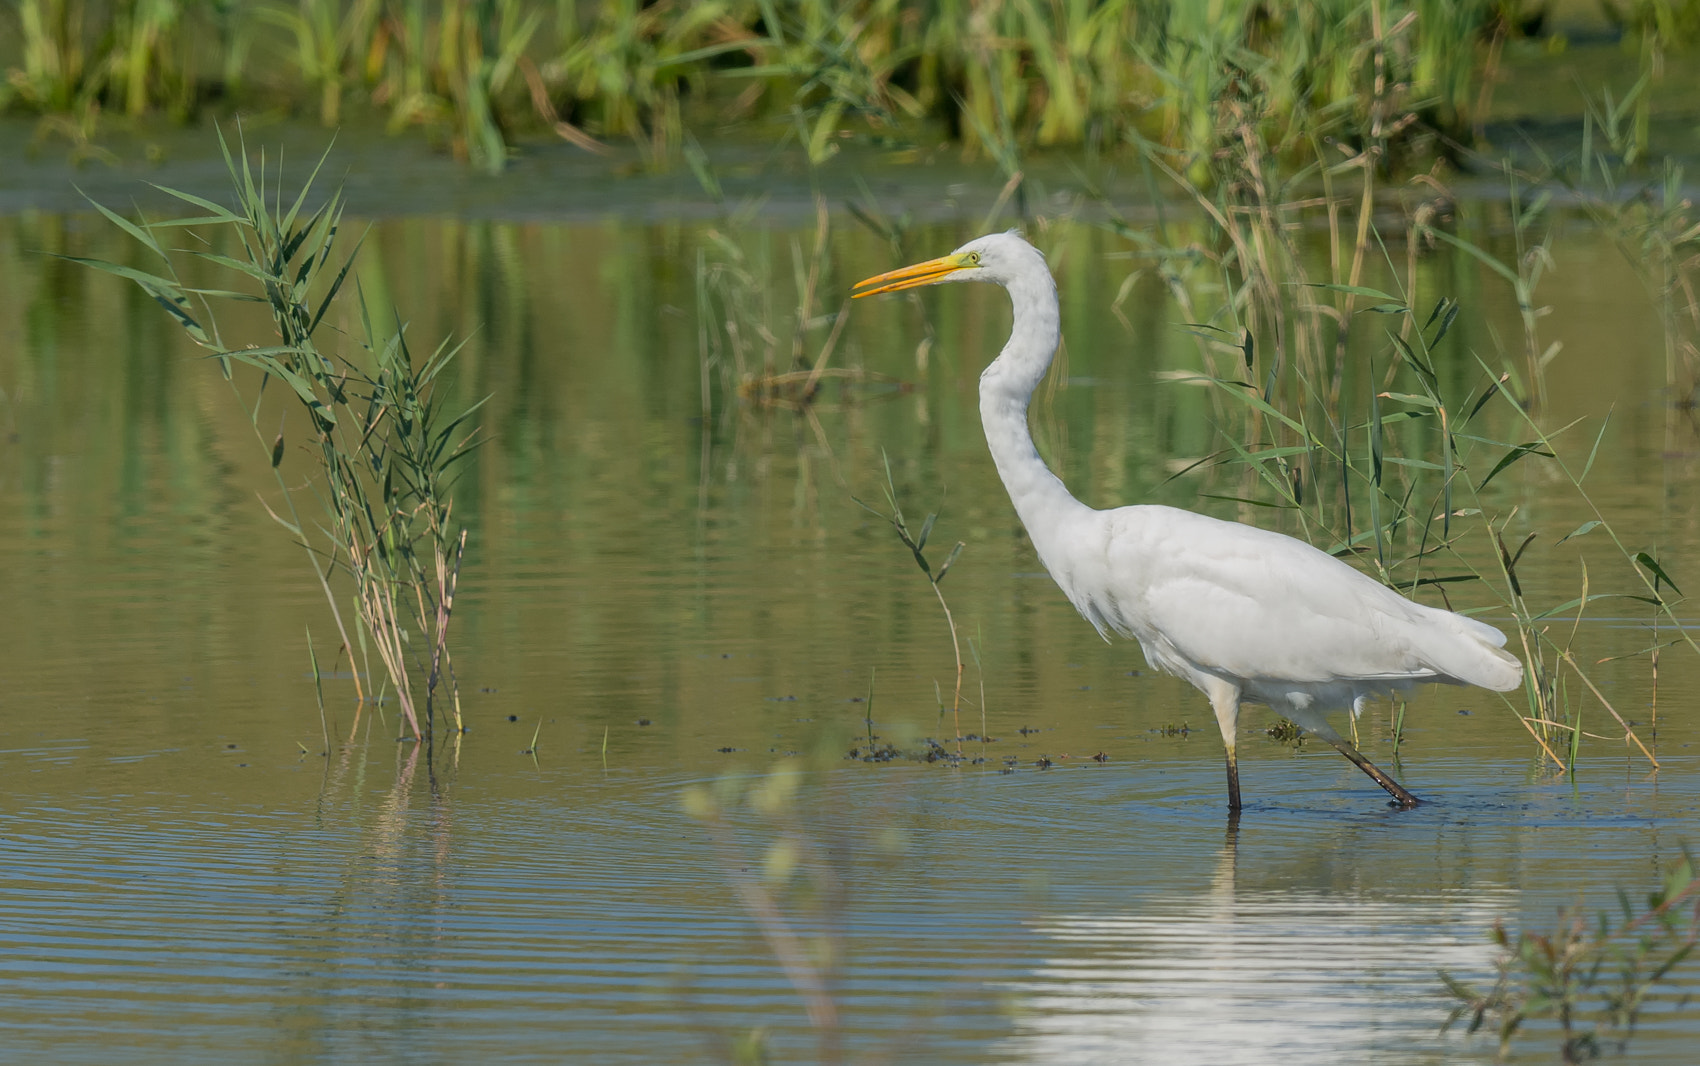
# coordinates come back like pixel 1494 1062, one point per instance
pixel 459 73
pixel 75 57
pixel 384 446
pixel 627 75
pixel 995 76
pixel 328 40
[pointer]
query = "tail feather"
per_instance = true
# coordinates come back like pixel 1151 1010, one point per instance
pixel 1471 653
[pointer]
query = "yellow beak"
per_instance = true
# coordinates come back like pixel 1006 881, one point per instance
pixel 931 272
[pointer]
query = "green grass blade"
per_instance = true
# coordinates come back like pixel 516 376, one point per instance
pixel 1360 290
pixel 165 292
pixel 336 286
pixel 1520 452
pixel 233 264
pixel 1478 254
pixel 141 235
pixel 289 220
pixel 1580 531
pixel 1657 571
pixel 1594 452
pixel 218 212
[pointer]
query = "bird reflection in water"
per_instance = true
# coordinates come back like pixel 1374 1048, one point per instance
pixel 1248 975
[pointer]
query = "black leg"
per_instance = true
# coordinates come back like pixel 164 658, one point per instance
pixel 1225 704
pixel 1394 789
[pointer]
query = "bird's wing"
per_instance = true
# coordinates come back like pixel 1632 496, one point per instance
pixel 1235 600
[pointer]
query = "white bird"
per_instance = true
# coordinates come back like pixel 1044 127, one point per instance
pixel 1246 615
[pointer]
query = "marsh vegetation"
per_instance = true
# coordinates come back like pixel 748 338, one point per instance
pixel 1405 77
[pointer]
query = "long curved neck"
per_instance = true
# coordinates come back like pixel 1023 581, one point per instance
pixel 1040 498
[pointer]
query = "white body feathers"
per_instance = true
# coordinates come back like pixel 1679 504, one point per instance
pixel 1291 626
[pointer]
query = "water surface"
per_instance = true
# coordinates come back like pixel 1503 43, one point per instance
pixel 194 875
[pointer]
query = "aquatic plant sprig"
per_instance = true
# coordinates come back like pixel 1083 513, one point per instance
pixel 387 446
pixel 917 545
pixel 1593 979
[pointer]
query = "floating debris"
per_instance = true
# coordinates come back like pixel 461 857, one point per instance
pixel 876 752
pixel 1285 732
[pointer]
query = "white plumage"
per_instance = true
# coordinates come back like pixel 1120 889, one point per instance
pixel 1244 614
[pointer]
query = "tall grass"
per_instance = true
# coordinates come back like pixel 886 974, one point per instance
pixel 457 73
pixel 384 447
pixel 74 58
pixel 327 38
pixel 1034 73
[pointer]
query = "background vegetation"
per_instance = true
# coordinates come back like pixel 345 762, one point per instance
pixel 990 74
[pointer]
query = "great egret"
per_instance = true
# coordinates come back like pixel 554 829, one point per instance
pixel 1245 614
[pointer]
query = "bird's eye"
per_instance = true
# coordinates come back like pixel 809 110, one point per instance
pixel 973 257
